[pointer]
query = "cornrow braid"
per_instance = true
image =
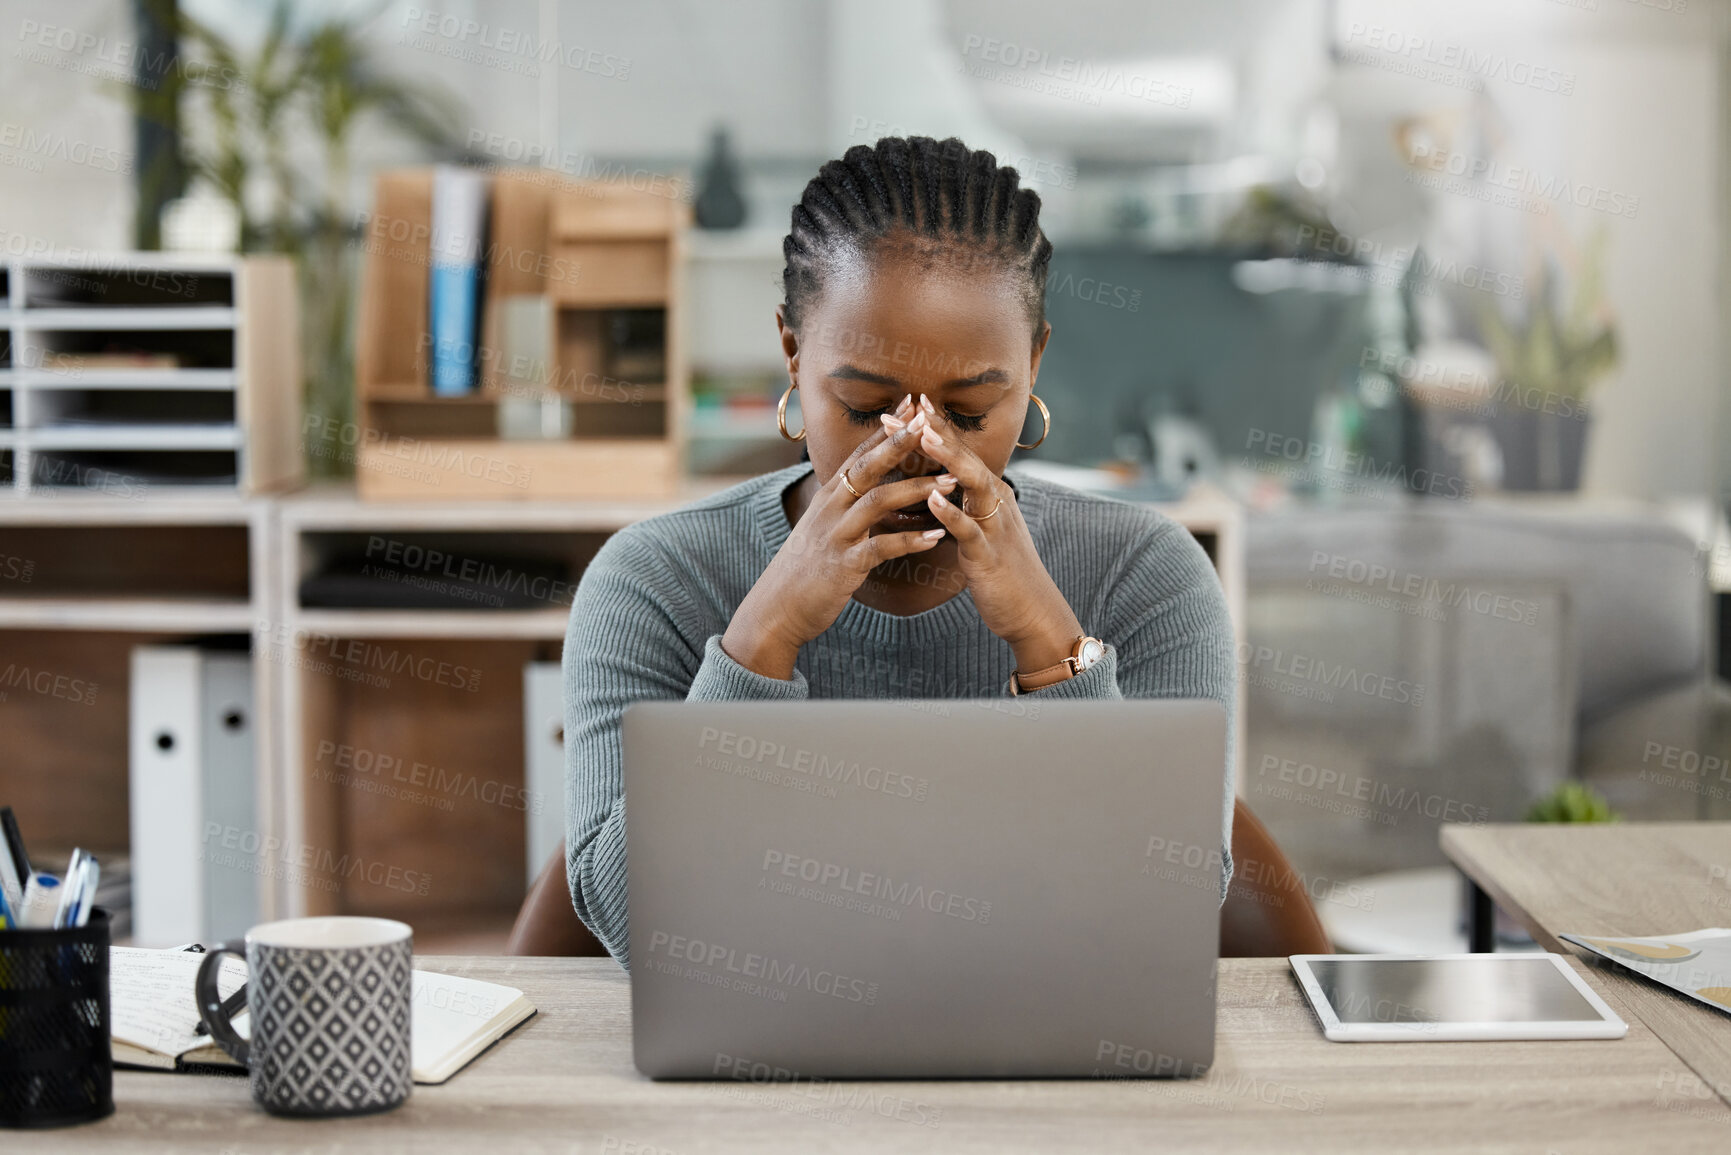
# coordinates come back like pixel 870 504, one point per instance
pixel 951 201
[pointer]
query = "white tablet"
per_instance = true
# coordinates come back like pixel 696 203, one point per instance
pixel 1386 998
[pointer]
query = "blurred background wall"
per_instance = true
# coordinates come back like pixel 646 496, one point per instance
pixel 1146 193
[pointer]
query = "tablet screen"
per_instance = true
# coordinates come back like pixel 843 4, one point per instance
pixel 1492 989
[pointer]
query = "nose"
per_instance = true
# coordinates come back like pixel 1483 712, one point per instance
pixel 914 463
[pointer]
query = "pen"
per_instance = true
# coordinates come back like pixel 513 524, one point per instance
pixel 80 879
pixel 87 896
pixel 41 902
pixel 79 891
pixel 15 845
pixel 11 878
pixel 72 883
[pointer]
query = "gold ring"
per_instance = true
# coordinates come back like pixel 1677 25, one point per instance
pixel 849 484
pixel 989 516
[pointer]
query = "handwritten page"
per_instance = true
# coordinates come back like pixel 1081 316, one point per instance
pixel 151 998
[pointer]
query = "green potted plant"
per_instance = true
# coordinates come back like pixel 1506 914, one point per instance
pixel 1549 358
pixel 1573 802
pixel 319 80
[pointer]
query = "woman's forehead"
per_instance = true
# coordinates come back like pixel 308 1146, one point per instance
pixel 906 314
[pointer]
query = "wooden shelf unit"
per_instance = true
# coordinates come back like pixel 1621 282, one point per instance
pixel 605 257
pixel 165 372
pixel 451 717
pixel 83 579
pixel 446 722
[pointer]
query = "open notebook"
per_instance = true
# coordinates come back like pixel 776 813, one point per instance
pixel 155 1017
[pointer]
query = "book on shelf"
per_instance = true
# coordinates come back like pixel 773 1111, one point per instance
pixel 459 216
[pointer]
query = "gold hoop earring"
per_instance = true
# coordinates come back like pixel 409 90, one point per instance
pixel 781 416
pixel 1045 414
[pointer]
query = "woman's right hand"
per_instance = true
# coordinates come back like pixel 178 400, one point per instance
pixel 831 551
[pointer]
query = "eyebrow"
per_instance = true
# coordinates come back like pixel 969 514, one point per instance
pixel 855 373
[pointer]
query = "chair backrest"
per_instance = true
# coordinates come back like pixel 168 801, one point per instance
pixel 547 923
pixel 1267 910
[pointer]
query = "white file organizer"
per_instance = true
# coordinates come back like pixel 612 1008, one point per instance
pixel 198 853
pixel 544 760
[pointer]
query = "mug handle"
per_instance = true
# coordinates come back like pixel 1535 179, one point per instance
pixel 209 998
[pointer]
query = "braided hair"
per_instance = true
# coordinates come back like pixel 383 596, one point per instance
pixel 937 200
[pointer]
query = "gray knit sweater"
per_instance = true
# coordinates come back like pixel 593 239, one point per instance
pixel 652 606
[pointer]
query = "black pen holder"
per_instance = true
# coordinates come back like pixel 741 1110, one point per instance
pixel 56 1068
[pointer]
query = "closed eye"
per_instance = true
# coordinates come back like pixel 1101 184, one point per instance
pixel 967 422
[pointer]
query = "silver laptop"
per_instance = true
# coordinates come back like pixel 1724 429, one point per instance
pixel 993 888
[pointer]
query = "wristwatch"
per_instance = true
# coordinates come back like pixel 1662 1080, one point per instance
pixel 1083 654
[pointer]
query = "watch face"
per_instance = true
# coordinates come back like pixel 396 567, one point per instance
pixel 1093 649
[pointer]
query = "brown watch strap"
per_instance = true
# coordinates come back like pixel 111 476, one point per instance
pixel 1050 676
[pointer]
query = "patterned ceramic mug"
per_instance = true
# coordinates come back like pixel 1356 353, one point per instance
pixel 329 1000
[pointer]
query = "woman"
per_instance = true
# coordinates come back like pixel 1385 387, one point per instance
pixel 901 560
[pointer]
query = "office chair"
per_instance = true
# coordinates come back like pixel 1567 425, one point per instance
pixel 547 924
pixel 1267 910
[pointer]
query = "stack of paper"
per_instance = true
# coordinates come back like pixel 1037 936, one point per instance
pixel 1696 962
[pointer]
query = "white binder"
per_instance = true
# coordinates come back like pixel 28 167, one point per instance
pixel 544 760
pixel 198 854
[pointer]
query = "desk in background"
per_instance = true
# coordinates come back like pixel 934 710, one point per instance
pixel 1613 879
pixel 563 1083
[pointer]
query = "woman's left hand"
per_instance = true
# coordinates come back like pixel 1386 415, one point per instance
pixel 1016 597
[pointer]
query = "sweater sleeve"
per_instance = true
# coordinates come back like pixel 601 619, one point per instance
pixel 625 643
pixel 1168 635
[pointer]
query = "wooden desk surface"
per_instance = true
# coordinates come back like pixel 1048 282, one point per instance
pixel 563 1083
pixel 1624 878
